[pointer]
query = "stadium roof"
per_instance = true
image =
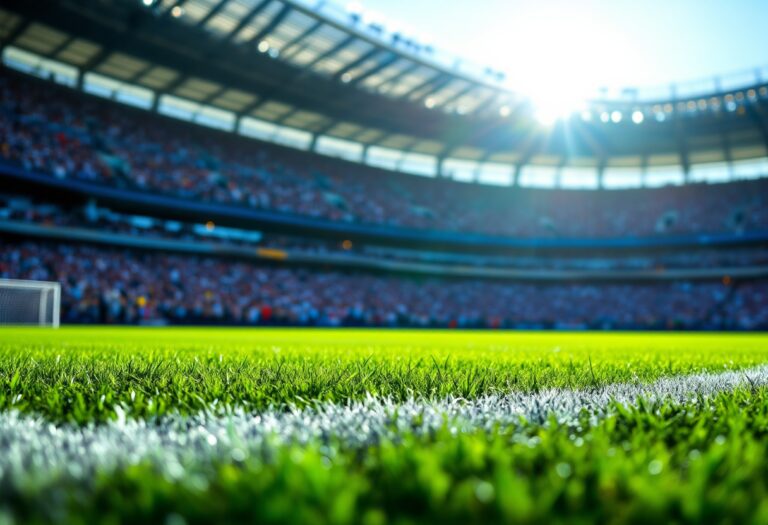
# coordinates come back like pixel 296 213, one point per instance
pixel 331 42
pixel 305 73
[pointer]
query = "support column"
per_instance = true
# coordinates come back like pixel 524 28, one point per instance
pixel 516 175
pixel 601 175
pixel 441 168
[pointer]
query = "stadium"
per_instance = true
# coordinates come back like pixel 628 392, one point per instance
pixel 275 261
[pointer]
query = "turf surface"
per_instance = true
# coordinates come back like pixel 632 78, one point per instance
pixel 693 460
pixel 80 375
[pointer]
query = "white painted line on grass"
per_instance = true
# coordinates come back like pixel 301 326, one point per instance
pixel 33 449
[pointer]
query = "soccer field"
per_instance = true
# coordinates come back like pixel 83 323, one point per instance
pixel 310 426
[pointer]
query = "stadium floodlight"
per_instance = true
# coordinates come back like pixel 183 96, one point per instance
pixel 638 117
pixel 29 303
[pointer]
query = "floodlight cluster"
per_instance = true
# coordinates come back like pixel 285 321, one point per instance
pixel 733 102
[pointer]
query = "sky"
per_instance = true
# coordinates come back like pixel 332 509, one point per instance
pixel 590 44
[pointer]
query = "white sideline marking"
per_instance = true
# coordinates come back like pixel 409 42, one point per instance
pixel 33 449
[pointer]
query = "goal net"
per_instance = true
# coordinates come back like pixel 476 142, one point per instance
pixel 29 303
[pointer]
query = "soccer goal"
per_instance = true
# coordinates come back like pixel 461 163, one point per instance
pixel 29 303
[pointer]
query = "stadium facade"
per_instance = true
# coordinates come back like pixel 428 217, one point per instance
pixel 376 179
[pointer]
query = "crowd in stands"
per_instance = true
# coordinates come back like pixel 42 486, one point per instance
pixel 120 286
pixel 62 133
pixel 55 130
pixel 22 209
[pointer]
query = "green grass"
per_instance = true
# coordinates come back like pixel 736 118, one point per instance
pixel 667 464
pixel 81 374
pixel 701 462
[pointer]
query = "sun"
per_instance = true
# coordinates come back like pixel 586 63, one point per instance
pixel 560 58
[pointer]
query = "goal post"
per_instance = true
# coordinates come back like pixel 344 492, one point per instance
pixel 30 303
